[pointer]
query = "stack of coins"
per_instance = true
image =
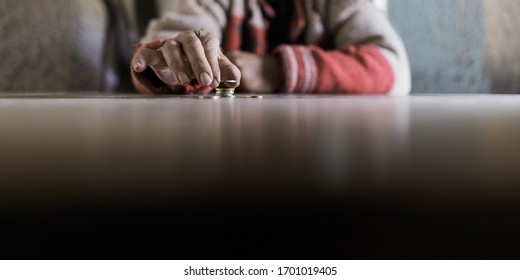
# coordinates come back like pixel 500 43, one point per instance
pixel 226 91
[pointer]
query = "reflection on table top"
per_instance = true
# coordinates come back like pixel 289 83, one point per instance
pixel 426 151
pixel 121 143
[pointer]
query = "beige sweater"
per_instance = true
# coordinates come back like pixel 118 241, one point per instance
pixel 337 34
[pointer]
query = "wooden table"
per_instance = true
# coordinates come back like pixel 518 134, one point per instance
pixel 128 176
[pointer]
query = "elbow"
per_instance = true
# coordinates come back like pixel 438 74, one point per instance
pixel 402 82
pixel 402 74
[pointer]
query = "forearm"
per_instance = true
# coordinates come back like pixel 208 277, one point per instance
pixel 369 45
pixel 362 69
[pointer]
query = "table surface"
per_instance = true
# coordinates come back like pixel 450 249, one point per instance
pixel 411 169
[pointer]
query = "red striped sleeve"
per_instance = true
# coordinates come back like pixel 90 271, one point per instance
pixel 233 34
pixel 359 69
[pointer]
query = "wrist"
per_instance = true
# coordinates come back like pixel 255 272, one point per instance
pixel 274 73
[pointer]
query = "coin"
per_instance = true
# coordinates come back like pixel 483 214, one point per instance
pixel 229 81
pixel 225 92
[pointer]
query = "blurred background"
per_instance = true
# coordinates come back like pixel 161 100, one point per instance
pixel 455 46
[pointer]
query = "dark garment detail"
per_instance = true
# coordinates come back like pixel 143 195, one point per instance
pixel 145 11
pixel 279 26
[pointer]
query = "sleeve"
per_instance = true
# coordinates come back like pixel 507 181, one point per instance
pixel 184 15
pixel 367 56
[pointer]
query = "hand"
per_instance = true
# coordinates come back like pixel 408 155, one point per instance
pixel 260 74
pixel 192 55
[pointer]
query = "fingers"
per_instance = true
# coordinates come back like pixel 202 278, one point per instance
pixel 154 59
pixel 212 51
pixel 229 71
pixel 177 63
pixel 196 54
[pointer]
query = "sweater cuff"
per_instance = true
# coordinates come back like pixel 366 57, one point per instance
pixel 148 83
pixel 300 69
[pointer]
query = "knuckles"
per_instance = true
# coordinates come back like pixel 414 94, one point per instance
pixel 171 44
pixel 194 36
pixel 211 42
pixel 186 36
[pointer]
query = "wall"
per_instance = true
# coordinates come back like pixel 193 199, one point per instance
pixel 461 46
pixel 51 44
pixel 445 42
pixel 503 44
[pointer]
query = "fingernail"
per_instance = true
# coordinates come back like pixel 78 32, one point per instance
pixel 137 65
pixel 183 78
pixel 205 79
pixel 215 83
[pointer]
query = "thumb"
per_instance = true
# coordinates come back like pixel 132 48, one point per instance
pixel 229 71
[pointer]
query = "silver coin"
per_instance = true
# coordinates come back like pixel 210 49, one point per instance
pixel 229 81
